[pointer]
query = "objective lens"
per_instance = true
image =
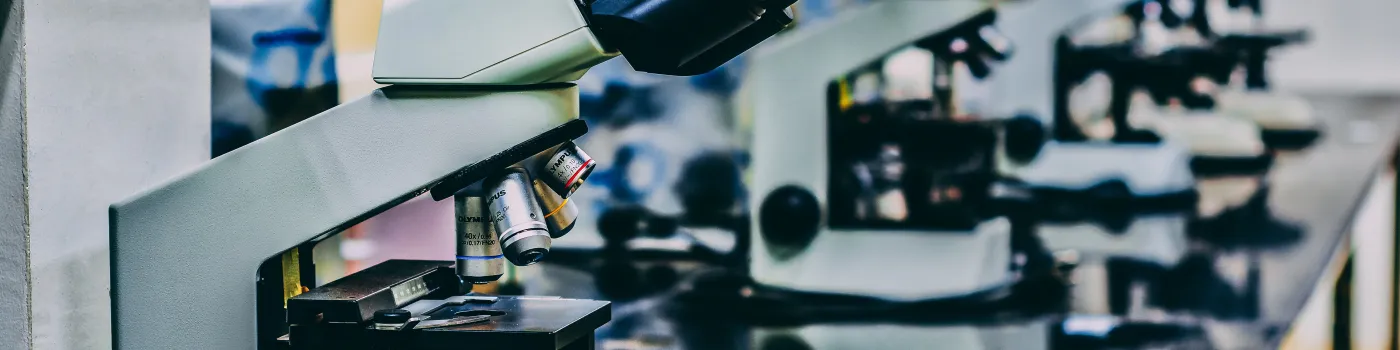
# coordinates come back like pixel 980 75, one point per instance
pixel 479 258
pixel 566 169
pixel 516 216
pixel 559 213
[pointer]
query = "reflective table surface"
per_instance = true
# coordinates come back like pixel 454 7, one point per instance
pixel 1256 250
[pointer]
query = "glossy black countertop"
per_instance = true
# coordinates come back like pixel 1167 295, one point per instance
pixel 1258 249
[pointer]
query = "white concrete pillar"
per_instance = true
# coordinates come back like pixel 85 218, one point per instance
pixel 101 99
pixel 14 215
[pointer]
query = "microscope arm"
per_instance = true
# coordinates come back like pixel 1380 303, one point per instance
pixel 194 243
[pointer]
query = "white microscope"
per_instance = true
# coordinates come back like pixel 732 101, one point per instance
pixel 810 237
pixel 1287 121
pixel 1234 28
pixel 1125 94
pixel 480 94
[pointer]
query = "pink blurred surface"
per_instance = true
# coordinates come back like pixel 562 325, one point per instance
pixel 420 229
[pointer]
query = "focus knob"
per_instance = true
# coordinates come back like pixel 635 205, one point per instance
pixel 789 217
pixel 1024 137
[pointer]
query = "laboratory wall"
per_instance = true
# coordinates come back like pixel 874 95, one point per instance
pixel 115 98
pixel 1352 48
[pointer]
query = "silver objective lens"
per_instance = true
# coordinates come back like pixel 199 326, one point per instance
pixel 565 170
pixel 559 213
pixel 479 258
pixel 517 218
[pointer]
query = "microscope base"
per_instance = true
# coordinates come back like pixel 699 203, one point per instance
pixel 1213 166
pixel 1121 173
pixel 1158 239
pixel 1289 139
pixel 894 265
pixel 1286 121
pixel 1028 336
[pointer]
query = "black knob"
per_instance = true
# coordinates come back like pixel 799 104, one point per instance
pixel 661 226
pixel 784 342
pixel 622 223
pixel 790 217
pixel 710 185
pixel 392 316
pixel 1024 137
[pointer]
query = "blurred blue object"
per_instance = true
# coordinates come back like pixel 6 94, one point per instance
pixel 723 81
pixel 647 129
pixel 273 66
pixel 627 189
pixel 810 11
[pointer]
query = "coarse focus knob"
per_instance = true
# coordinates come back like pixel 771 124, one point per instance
pixel 790 216
pixel 1023 136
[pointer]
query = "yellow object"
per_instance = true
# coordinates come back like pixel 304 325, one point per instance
pixel 291 275
pixel 354 32
pixel 556 209
pixel 845 91
pixel 355 24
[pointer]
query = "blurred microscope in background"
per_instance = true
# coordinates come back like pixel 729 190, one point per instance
pixel 932 205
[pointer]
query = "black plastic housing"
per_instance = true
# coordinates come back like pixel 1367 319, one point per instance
pixel 684 37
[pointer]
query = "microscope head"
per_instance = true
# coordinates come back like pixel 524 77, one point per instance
pixel 484 42
pixel 1168 74
pixel 1159 10
pixel 1166 77
pixel 974 42
pixel 523 42
pixel 1172 75
pixel 1253 51
pixel 1075 63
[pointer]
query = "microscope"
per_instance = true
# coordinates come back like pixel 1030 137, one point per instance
pixel 480 110
pixel 1076 172
pixel 815 134
pixel 1287 121
pixel 1117 93
pixel 1235 28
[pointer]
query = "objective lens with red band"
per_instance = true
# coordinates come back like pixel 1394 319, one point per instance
pixel 566 169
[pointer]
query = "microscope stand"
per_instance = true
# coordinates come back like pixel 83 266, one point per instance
pixel 197 240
